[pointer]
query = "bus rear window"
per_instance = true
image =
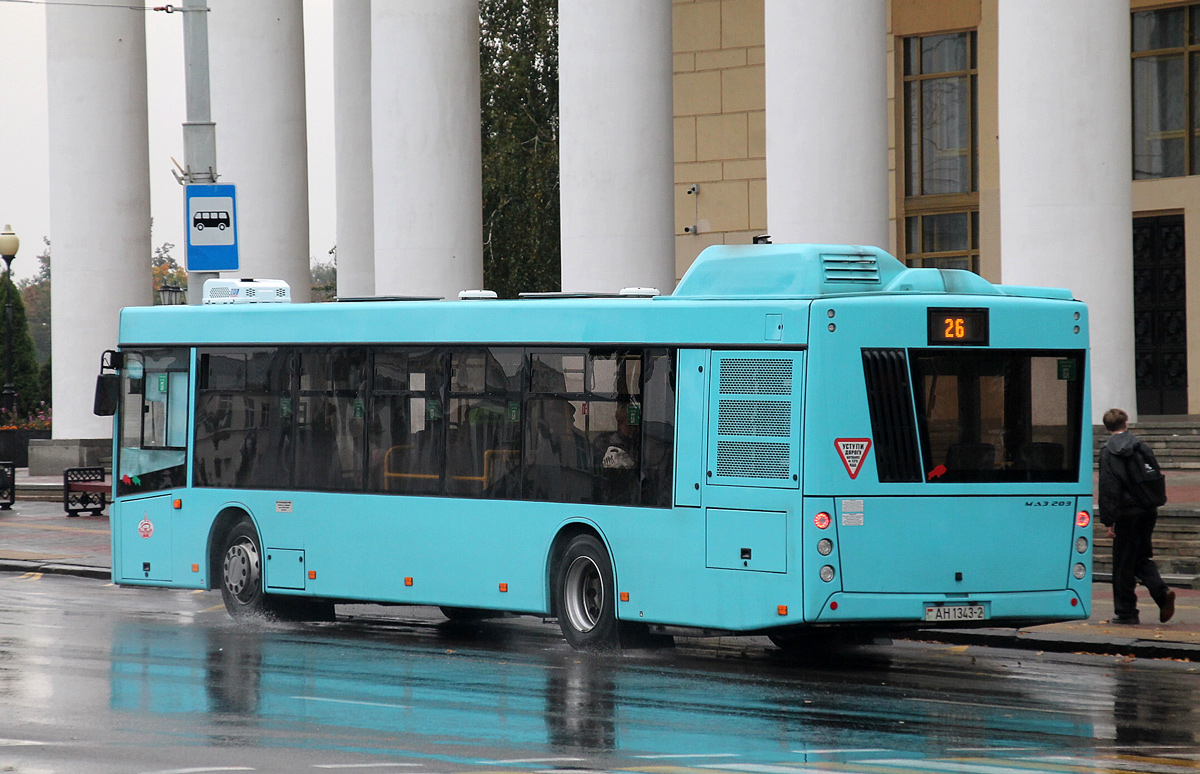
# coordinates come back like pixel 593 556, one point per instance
pixel 999 415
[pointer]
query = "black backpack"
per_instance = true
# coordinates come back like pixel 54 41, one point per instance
pixel 1147 484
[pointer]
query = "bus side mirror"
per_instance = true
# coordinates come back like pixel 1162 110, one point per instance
pixel 108 395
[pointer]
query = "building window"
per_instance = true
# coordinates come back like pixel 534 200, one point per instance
pixel 941 159
pixel 943 240
pixel 1166 92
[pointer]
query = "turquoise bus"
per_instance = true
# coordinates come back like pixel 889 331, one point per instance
pixel 799 439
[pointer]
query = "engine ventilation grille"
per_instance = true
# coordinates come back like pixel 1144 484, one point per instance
pixel 754 441
pixel 893 426
pixel 751 459
pixel 854 269
pixel 756 376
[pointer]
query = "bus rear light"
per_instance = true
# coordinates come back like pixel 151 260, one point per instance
pixel 827 573
pixel 1081 544
pixel 833 605
pixel 822 520
pixel 782 609
pixel 1074 602
pixel 1082 519
pixel 1079 571
pixel 824 546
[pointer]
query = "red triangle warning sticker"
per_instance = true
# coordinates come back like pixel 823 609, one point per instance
pixel 853 451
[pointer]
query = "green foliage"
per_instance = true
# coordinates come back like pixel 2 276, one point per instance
pixel 324 278
pixel 35 294
pixel 165 271
pixel 25 371
pixel 518 60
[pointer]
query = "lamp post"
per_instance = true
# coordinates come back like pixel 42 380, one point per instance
pixel 170 295
pixel 8 250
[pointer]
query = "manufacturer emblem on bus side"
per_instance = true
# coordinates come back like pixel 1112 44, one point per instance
pixel 144 527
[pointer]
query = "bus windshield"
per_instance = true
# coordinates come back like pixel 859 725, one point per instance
pixel 999 415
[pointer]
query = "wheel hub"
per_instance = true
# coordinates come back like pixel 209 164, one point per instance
pixel 242 570
pixel 584 597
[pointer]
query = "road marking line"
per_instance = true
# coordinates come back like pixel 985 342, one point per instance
pixel 359 765
pixel 21 743
pixel 1104 763
pixel 362 703
pixel 30 576
pixel 756 768
pixel 52 527
pixel 945 765
pixel 528 760
pixel 691 755
pixel 850 750
pixel 200 770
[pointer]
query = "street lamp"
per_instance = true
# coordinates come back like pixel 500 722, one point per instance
pixel 170 295
pixel 8 250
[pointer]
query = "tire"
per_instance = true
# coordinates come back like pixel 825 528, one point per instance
pixel 242 574
pixel 220 226
pixel 584 596
pixel 199 226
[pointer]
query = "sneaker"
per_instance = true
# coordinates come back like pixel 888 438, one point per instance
pixel 1125 620
pixel 1167 609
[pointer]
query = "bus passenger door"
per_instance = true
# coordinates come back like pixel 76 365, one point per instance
pixel 145 531
pixel 691 401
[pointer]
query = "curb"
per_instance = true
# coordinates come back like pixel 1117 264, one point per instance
pixel 1052 642
pixel 54 568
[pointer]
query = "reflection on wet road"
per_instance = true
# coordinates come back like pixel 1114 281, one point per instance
pixel 106 679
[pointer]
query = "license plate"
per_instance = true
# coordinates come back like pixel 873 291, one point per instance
pixel 955 613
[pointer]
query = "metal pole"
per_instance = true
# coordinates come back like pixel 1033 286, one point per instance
pixel 199 131
pixel 10 391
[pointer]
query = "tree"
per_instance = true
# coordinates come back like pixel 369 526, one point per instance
pixel 323 278
pixel 25 372
pixel 518 62
pixel 35 294
pixel 165 271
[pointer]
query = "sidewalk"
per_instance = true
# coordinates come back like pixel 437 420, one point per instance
pixel 36 536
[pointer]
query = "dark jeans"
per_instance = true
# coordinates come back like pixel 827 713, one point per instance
pixel 1132 563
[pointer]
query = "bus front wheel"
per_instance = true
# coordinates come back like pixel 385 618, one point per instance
pixel 241 573
pixel 583 595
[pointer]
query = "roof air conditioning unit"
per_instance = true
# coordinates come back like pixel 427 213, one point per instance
pixel 246 291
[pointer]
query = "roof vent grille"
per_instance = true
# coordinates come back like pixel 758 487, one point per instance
pixel 855 269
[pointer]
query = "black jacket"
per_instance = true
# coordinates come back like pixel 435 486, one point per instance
pixel 1116 501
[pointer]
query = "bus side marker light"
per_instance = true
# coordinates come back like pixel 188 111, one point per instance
pixel 195 568
pixel 624 596
pixel 177 504
pixel 503 587
pixel 782 609
pixel 408 581
pixel 1083 518
pixel 312 574
pixel 833 605
pixel 822 520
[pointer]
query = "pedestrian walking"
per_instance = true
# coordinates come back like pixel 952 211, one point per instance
pixel 1131 489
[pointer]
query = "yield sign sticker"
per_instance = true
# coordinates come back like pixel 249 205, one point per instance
pixel 853 451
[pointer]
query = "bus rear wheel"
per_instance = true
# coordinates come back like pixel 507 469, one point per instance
pixel 241 573
pixel 583 595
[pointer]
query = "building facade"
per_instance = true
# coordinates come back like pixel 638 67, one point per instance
pixel 962 80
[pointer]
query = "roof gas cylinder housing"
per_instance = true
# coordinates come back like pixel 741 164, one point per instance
pixel 246 291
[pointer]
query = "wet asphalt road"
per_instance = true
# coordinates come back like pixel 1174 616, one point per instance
pixel 95 678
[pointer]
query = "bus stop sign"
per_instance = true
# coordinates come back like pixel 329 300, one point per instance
pixel 211 212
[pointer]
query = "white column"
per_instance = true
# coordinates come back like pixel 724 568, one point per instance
pixel 616 147
pixel 99 195
pixel 352 148
pixel 425 124
pixel 827 143
pixel 256 57
pixel 1065 190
